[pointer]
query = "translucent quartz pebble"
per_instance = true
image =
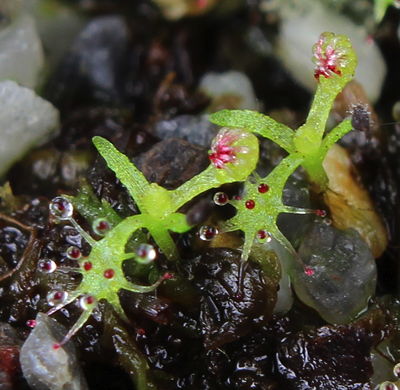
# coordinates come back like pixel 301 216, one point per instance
pixel 45 367
pixel 21 53
pixel 229 90
pixel 338 274
pixel 25 121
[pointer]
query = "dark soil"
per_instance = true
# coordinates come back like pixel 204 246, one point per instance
pixel 201 331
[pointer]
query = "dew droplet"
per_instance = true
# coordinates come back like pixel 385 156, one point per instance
pixel 263 236
pixel 221 199
pixel 73 253
pixel 207 233
pixel 31 323
pixel 57 297
pixel 388 386
pixel 145 253
pixel 396 370
pixel 61 208
pixel 87 301
pixel 250 204
pixel 47 266
pixel 101 226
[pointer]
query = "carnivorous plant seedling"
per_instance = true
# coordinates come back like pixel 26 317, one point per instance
pixel 335 63
pixel 256 216
pixel 233 157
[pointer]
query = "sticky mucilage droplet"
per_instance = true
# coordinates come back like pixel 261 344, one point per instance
pixel 61 208
pixel 57 297
pixel 207 233
pixel 47 266
pixel 101 226
pixel 220 198
pixel 73 253
pixel 145 253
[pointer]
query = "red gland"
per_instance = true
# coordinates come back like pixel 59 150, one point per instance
pixel 309 271
pixel 87 265
pixel 250 204
pixel 90 300
pixel 109 273
pixel 56 346
pixel 168 275
pixel 74 253
pixel 47 266
pixel 327 60
pixel 263 188
pixel 222 150
pixel 262 234
pixel 141 332
pixel 221 199
pixel 31 323
pixel 58 295
pixel 102 226
pixel 321 213
pixel 60 204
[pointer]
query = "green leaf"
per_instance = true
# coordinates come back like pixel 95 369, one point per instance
pixel 256 122
pixel 125 170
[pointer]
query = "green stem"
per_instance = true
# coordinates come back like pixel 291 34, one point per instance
pixel 308 137
pixel 313 163
pixel 197 185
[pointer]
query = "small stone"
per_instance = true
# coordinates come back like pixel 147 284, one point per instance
pixel 231 90
pixel 349 202
pixel 45 367
pixel 172 162
pixel 21 53
pixel 338 274
pixel 91 70
pixel 197 130
pixel 25 121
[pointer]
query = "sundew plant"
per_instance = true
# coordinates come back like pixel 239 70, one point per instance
pixel 233 156
pixel 335 63
pixel 102 271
